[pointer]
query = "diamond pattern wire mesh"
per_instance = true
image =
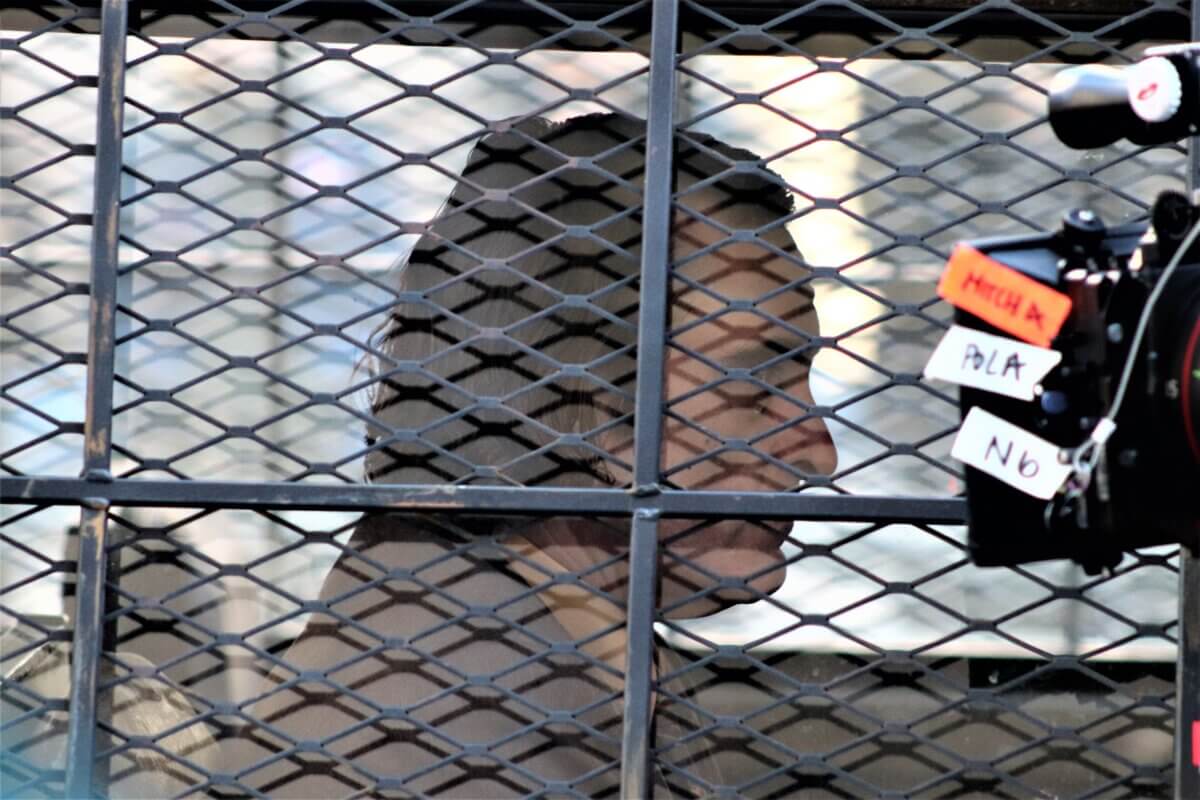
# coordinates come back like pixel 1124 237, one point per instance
pixel 47 135
pixel 280 162
pixel 49 140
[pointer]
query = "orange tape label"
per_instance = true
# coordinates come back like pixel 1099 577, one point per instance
pixel 1003 297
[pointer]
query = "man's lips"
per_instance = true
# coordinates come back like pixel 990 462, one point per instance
pixel 724 549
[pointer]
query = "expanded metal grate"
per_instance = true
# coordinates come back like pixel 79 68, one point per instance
pixel 524 399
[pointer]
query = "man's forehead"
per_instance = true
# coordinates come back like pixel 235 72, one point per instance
pixel 749 197
pixel 708 215
pixel 759 268
pixel 711 249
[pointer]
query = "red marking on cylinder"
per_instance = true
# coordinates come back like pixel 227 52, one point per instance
pixel 1185 397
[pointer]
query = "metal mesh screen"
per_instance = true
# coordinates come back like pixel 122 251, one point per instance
pixel 525 400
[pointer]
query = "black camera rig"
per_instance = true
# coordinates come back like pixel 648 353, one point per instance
pixel 1078 352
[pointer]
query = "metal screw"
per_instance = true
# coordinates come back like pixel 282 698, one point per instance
pixel 1115 332
pixel 1171 389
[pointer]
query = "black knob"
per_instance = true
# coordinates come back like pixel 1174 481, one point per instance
pixel 1082 228
pixel 1172 217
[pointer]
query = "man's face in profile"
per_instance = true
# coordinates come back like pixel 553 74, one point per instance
pixel 737 384
pixel 491 324
pixel 737 394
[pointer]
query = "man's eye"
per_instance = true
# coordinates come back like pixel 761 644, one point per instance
pixel 751 400
pixel 755 353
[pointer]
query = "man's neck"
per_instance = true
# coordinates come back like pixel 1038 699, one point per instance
pixel 590 618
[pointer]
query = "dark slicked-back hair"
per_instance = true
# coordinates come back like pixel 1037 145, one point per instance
pixel 509 357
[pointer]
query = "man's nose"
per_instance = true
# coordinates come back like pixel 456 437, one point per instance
pixel 805 445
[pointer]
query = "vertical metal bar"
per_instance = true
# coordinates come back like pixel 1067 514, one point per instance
pixel 1187 680
pixel 639 656
pixel 86 651
pixel 1187 669
pixel 87 646
pixel 656 247
pixel 648 426
pixel 121 395
pixel 110 114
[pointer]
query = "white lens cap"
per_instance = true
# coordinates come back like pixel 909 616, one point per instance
pixel 1155 89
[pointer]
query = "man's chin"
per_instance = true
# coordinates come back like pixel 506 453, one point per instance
pixel 696 559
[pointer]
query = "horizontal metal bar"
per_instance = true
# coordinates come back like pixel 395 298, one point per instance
pixel 829 508
pixel 740 12
pixel 483 499
pixel 491 23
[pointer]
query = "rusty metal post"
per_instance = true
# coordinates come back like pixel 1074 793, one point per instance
pixel 87 648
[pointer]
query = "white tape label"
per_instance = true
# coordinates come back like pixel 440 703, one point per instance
pixel 993 363
pixel 1010 454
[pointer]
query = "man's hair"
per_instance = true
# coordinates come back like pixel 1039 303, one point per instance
pixel 509 356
